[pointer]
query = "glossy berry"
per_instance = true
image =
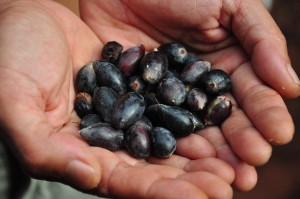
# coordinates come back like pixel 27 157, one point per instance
pixel 171 91
pixel 137 141
pixel 151 98
pixel 171 73
pixel 196 99
pixel 103 135
pixel 193 72
pixel 128 109
pixel 218 110
pixel 130 59
pixel 216 82
pixel 153 66
pixel 110 76
pixel 191 59
pixel 83 104
pixel 104 100
pixel 176 119
pixel 111 51
pixel 176 53
pixel 145 123
pixel 163 142
pixel 89 120
pixel 86 79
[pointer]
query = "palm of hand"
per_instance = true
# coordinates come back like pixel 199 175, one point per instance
pixel 207 28
pixel 48 91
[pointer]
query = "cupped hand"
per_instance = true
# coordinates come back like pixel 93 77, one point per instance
pixel 238 36
pixel 42 47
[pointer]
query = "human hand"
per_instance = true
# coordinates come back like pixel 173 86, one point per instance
pixel 43 45
pixel 238 36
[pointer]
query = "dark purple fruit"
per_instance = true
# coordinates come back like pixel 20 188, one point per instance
pixel 130 59
pixel 216 82
pixel 176 53
pixel 104 100
pixel 150 99
pixel 145 123
pixel 191 59
pixel 198 123
pixel 89 120
pixel 110 76
pixel 171 91
pixel 111 51
pixel 86 79
pixel 103 135
pixel 83 104
pixel 137 84
pixel 196 99
pixel 137 141
pixel 128 109
pixel 163 142
pixel 218 110
pixel 193 72
pixel 176 119
pixel 171 73
pixel 154 65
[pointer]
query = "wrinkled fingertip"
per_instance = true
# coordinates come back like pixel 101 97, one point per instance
pixel 81 175
pixel 282 130
pixel 246 177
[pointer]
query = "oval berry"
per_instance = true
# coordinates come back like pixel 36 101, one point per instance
pixel 128 109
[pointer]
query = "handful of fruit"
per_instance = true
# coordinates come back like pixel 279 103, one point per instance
pixel 143 101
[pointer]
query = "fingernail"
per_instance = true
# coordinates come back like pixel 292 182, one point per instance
pixel 80 174
pixel 293 74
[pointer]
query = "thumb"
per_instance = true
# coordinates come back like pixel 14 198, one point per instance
pixel 263 40
pixel 49 154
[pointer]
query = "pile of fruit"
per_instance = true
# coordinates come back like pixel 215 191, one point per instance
pixel 142 101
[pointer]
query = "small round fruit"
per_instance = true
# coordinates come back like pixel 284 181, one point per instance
pixel 110 76
pixel 171 91
pixel 86 79
pixel 103 135
pixel 178 120
pixel 83 104
pixel 216 82
pixel 218 110
pixel 176 53
pixel 137 141
pixel 153 66
pixel 89 120
pixel 128 109
pixel 196 99
pixel 193 72
pixel 130 59
pixel 104 100
pixel 111 51
pixel 163 142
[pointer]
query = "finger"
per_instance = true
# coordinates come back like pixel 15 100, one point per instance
pixel 245 175
pixel 244 138
pixel 47 154
pixel 143 180
pixel 261 37
pixel 264 107
pixel 210 184
pixel 214 166
pixel 194 147
pixel 211 165
pixel 175 189
pixel 261 105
